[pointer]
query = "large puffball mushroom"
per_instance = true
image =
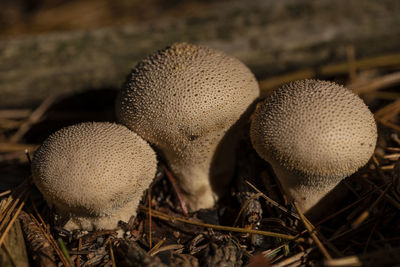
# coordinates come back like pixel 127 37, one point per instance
pixel 314 134
pixel 94 174
pixel 184 99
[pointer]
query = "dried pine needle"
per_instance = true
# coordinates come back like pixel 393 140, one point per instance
pixel 64 250
pixel 166 217
pixel 311 230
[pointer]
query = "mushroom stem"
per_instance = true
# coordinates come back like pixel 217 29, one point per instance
pixel 204 177
pixel 307 190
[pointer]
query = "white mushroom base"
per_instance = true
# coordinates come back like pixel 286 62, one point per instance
pixel 109 221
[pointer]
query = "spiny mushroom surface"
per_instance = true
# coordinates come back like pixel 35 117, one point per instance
pixel 314 134
pixel 184 99
pixel 94 173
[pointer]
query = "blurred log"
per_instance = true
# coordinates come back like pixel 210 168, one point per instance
pixel 270 36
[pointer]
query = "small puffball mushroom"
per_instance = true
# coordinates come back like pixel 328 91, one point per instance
pixel 184 99
pixel 94 174
pixel 314 134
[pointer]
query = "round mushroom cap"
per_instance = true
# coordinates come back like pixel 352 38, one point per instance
pixel 187 100
pixel 314 128
pixel 183 92
pixel 93 169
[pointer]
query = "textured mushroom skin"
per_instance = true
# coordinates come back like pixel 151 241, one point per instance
pixel 94 173
pixel 314 134
pixel 184 99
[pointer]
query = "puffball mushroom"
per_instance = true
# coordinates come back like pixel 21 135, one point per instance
pixel 184 99
pixel 314 134
pixel 94 173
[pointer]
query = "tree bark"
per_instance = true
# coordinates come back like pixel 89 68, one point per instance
pixel 271 37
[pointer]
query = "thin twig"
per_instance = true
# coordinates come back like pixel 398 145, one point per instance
pixel 267 85
pixel 388 167
pixel 4 193
pixel 273 202
pixel 269 253
pixel 40 217
pixel 35 116
pixel 7 125
pixel 112 255
pixel 165 248
pixel 396 149
pixel 343 262
pixel 384 95
pixel 78 258
pixel 395 156
pixel 11 147
pixel 28 157
pixel 386 113
pixel 149 198
pixel 375 84
pixel 360 64
pixel 379 190
pixel 64 250
pixel 379 218
pixel 182 202
pixel 15 113
pixel 300 257
pixel 5 206
pixel 310 230
pixel 10 224
pixel 9 208
pixel 159 244
pixel 363 216
pixel 346 208
pixel 166 217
